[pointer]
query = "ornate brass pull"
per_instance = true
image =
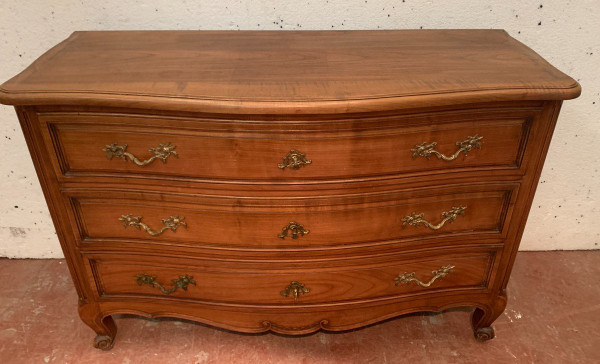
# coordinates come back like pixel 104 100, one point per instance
pixel 408 278
pixel 415 219
pixel 182 282
pixel 294 229
pixel 295 289
pixel 162 152
pixel 427 149
pixel 172 223
pixel 294 160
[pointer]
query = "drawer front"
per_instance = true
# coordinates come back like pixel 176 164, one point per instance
pixel 297 223
pixel 146 147
pixel 281 283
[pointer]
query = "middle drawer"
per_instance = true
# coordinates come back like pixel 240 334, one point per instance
pixel 301 223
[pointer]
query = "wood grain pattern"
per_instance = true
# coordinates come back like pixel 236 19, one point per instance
pixel 244 283
pixel 240 152
pixel 288 72
pixel 333 221
pixel 430 120
pixel 235 103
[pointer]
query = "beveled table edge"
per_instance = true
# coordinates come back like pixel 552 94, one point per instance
pixel 226 106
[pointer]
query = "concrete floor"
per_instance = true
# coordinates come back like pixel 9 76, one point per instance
pixel 553 316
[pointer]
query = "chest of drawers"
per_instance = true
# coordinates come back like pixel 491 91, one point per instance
pixel 288 181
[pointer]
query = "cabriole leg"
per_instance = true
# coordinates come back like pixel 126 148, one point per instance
pixel 482 319
pixel 104 326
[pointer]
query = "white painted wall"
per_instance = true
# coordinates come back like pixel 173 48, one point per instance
pixel 566 210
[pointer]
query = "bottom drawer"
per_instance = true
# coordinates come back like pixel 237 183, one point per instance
pixel 284 283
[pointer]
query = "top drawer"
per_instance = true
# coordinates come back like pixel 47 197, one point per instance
pixel 169 147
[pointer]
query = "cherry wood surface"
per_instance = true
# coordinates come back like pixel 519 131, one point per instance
pixel 256 223
pixel 245 283
pixel 242 152
pixel 234 103
pixel 433 172
pixel 292 71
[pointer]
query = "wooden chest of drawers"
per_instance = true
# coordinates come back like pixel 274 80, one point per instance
pixel 288 181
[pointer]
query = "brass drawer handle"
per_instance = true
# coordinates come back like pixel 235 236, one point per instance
pixel 415 219
pixel 294 160
pixel 182 282
pixel 408 278
pixel 162 152
pixel 172 223
pixel 294 229
pixel 295 289
pixel 427 149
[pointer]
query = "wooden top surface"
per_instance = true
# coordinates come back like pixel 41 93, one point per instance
pixel 287 71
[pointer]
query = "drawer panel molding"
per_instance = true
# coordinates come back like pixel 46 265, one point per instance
pixel 311 223
pixel 281 284
pixel 250 155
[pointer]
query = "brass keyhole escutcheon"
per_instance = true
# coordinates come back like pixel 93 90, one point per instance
pixel 294 160
pixel 295 289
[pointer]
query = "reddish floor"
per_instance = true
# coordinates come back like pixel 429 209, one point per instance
pixel 553 316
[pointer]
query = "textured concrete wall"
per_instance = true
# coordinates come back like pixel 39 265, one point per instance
pixel 566 210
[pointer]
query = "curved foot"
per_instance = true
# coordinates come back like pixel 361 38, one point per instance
pixel 484 334
pixel 104 326
pixel 483 317
pixel 103 342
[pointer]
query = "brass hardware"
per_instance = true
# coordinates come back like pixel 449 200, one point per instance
pixel 294 160
pixel 415 219
pixel 427 149
pixel 294 229
pixel 172 223
pixel 295 289
pixel 182 282
pixel 162 152
pixel 408 278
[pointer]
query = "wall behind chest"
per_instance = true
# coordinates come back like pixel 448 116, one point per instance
pixel 566 207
